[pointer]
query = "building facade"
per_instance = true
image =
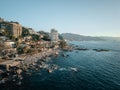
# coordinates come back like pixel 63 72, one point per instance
pixel 12 28
pixel 1 19
pixel 54 35
pixel 15 29
pixel 32 31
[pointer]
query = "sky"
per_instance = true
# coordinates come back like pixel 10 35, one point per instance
pixel 84 17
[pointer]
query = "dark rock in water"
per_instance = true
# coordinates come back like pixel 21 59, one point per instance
pixel 76 51
pixel 67 55
pixel 50 70
pixel 83 49
pixel 4 75
pixel 19 83
pixel 63 55
pixel 4 80
pixel 101 50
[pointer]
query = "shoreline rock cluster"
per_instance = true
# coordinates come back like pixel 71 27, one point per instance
pixel 28 65
pixel 85 49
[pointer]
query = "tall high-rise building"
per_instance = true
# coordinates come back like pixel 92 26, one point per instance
pixel 54 35
pixel 1 19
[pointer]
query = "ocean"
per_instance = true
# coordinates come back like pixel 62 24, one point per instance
pixel 80 70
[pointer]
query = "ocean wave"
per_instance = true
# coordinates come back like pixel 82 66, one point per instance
pixel 62 69
pixel 73 69
pixel 69 69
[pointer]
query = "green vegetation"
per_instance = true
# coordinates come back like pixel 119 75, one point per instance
pixel 46 36
pixel 35 37
pixel 63 43
pixel 60 37
pixel 25 32
pixel 30 41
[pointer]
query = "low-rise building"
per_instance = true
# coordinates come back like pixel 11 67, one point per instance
pixel 11 28
pixel 9 43
pixel 3 38
pixel 27 37
pixel 32 31
pixel 15 29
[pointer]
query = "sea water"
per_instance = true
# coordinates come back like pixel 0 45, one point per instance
pixel 81 70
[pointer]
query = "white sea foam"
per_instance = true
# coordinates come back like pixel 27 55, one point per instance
pixel 63 69
pixel 69 69
pixel 73 69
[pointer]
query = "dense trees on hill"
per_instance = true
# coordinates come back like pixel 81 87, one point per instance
pixel 62 43
pixel 77 37
pixel 46 35
pixel 35 37
pixel 42 32
pixel 25 32
pixel 60 37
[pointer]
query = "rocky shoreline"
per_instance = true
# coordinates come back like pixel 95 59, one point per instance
pixel 33 62
pixel 27 64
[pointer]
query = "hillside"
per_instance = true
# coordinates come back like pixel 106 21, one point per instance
pixel 77 37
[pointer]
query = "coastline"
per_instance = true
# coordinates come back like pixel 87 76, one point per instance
pixel 27 63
